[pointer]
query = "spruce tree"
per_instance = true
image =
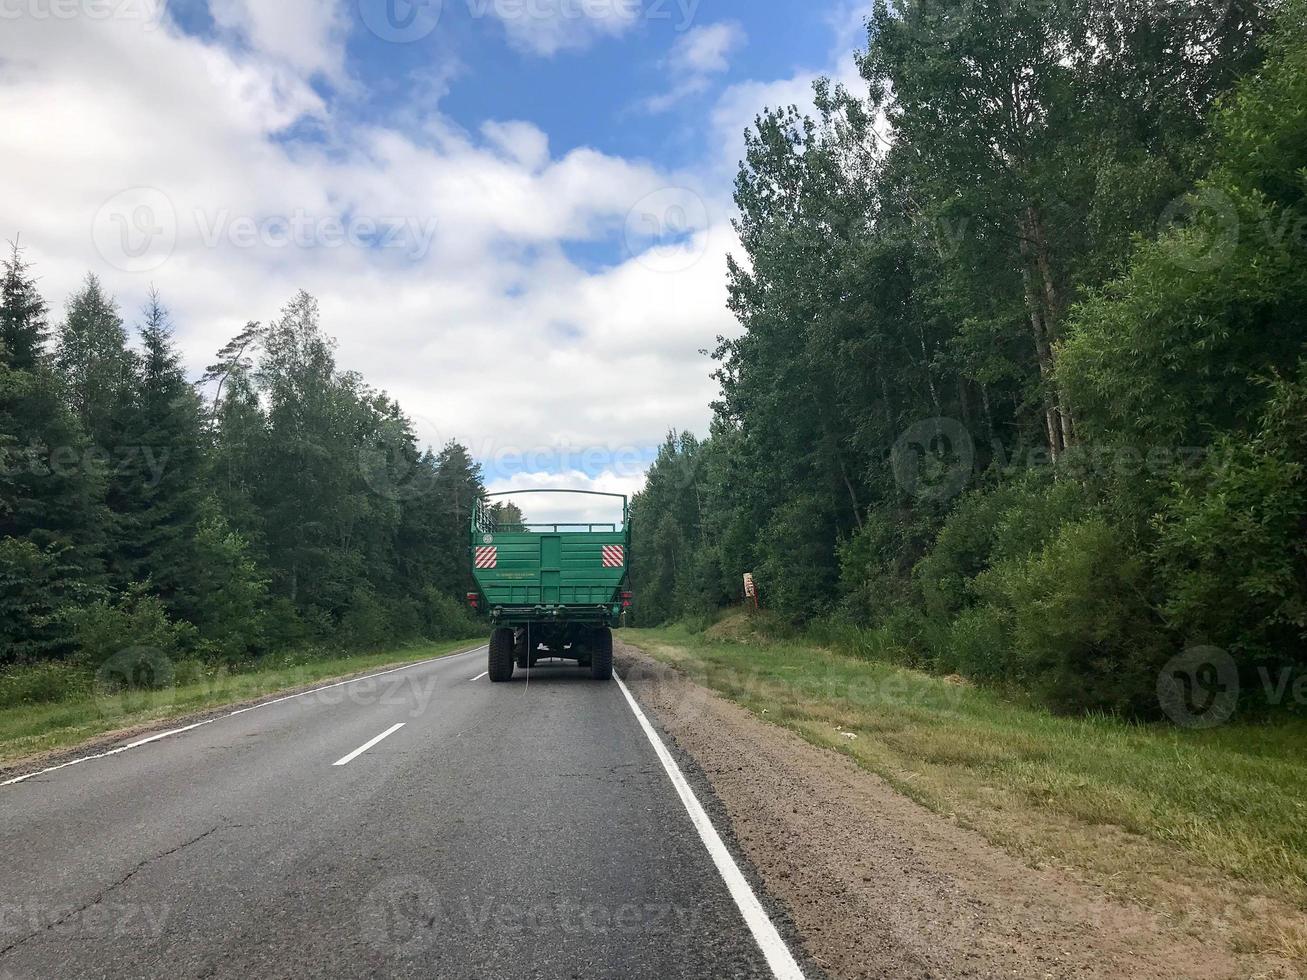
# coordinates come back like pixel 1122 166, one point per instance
pixel 161 469
pixel 458 483
pixel 52 521
pixel 23 326
pixel 97 367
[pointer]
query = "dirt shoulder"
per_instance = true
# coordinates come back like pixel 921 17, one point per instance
pixel 879 886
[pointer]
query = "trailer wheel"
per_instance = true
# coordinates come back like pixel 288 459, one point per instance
pixel 501 655
pixel 601 655
pixel 580 650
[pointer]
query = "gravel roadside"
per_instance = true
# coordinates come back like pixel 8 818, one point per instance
pixel 878 886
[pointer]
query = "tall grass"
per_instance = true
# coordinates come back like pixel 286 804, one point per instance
pixel 1233 799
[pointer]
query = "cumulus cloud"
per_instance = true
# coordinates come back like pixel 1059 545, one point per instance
pixel 546 27
pixel 441 256
pixel 697 55
pixel 307 35
pixel 548 508
pixel 440 259
pixel 704 50
pixel 521 141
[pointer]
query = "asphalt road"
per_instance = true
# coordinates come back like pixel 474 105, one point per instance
pixel 518 830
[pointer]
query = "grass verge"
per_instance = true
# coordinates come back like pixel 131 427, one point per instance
pixel 82 712
pixel 1153 812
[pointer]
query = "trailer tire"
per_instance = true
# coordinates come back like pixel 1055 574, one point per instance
pixel 601 655
pixel 501 655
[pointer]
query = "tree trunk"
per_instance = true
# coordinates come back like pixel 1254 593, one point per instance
pixel 1052 311
pixel 1041 304
pixel 848 485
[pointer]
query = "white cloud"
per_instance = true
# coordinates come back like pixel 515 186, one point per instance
pixel 546 27
pixel 520 141
pixel 697 55
pixel 705 50
pixel 306 35
pixel 549 508
pixel 491 335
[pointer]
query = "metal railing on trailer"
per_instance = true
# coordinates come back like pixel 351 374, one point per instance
pixel 485 522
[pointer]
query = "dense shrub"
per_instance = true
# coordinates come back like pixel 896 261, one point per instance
pixel 1011 519
pixel 285 627
pixel 444 618
pixel 796 545
pixel 43 683
pixel 1232 541
pixel 872 578
pixel 1083 634
pixel 365 624
pixel 980 645
pixel 31 597
pixel 231 605
pixel 136 620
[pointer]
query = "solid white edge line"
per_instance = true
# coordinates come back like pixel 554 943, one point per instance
pixel 773 947
pixel 481 675
pixel 231 714
pixel 368 744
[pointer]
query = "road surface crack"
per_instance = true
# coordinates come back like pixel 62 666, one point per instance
pixel 104 892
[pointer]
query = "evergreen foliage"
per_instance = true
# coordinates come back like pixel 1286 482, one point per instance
pixel 293 507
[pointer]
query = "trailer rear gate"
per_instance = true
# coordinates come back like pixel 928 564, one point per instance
pixel 580 568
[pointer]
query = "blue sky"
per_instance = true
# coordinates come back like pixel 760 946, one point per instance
pixel 553 178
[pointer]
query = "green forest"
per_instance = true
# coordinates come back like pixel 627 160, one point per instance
pixel 279 504
pixel 1020 392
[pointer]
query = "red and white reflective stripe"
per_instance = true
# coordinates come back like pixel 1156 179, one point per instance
pixel 487 557
pixel 614 556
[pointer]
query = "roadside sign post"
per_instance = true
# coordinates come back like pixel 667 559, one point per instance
pixel 751 589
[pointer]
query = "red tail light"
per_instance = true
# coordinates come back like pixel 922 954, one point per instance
pixel 626 599
pixel 473 599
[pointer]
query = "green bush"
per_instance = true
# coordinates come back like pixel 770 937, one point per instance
pixel 319 625
pixel 912 631
pixel 43 683
pixel 231 595
pixel 445 618
pixel 285 628
pixel 136 620
pixel 1083 634
pixel 981 645
pixel 405 617
pixel 1231 551
pixel 795 572
pixel 365 625
pixel 32 591
pixel 871 573
pixel 1231 554
pixel 1013 519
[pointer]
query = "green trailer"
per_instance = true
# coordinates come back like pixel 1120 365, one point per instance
pixel 554 590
